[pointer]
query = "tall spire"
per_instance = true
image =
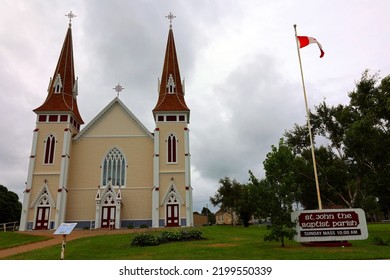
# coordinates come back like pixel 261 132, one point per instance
pixel 171 93
pixel 62 91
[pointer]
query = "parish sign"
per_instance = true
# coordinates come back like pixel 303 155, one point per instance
pixel 330 225
pixel 65 229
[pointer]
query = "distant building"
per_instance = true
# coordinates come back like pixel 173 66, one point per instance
pixel 113 172
pixel 200 220
pixel 225 218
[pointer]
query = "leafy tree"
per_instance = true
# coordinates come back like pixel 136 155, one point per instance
pixel 354 163
pixel 10 207
pixel 227 197
pixel 277 193
pixel 246 206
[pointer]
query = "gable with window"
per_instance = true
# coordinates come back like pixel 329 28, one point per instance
pixel 57 84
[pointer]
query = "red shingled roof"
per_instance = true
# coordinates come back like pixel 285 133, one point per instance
pixel 65 100
pixel 171 101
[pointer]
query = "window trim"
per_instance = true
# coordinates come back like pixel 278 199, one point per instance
pixel 171 118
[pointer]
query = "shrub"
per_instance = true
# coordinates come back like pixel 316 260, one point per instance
pixel 192 234
pixel 145 239
pixel 149 239
pixel 171 235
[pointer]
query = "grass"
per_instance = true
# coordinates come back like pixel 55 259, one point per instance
pixel 13 239
pixel 222 243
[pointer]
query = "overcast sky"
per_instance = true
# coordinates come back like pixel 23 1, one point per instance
pixel 238 58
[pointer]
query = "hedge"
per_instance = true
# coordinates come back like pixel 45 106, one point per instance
pixel 157 238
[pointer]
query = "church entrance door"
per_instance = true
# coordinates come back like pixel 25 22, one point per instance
pixel 42 220
pixel 172 215
pixel 108 216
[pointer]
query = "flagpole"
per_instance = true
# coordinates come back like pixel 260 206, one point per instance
pixel 309 125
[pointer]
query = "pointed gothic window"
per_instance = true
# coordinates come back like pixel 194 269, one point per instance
pixel 114 165
pixel 171 148
pixel 171 84
pixel 50 144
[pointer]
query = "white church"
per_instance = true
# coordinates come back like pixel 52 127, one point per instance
pixel 112 172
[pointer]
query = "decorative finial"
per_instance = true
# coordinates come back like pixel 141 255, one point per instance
pixel 70 15
pixel 118 88
pixel 170 17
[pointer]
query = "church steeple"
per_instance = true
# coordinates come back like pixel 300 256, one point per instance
pixel 62 91
pixel 171 91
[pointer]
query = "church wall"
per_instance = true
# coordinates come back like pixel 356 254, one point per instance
pixel 45 129
pixel 116 122
pixel 88 154
pixel 86 173
pixel 46 172
pixel 172 170
pixel 81 204
pixel 178 130
pixel 137 204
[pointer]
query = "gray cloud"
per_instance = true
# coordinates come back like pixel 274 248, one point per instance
pixel 249 112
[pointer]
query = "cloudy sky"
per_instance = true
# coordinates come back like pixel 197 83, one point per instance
pixel 238 58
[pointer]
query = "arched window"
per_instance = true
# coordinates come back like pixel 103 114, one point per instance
pixel 57 84
pixel 171 84
pixel 114 165
pixel 171 148
pixel 49 149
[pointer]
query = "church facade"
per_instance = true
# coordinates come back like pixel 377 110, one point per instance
pixel 113 172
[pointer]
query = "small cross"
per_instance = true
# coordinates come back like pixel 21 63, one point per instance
pixel 70 15
pixel 170 17
pixel 118 88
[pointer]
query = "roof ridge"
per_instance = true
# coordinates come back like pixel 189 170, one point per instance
pixel 116 100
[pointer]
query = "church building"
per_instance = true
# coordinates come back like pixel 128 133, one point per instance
pixel 113 172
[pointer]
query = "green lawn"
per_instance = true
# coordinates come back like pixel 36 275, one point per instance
pixel 12 239
pixel 222 243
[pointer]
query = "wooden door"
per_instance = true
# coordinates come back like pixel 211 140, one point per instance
pixel 108 216
pixel 172 215
pixel 42 220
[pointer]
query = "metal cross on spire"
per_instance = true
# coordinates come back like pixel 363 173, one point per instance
pixel 170 17
pixel 70 15
pixel 118 88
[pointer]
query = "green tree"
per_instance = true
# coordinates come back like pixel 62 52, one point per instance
pixel 354 163
pixel 227 197
pixel 276 193
pixel 10 207
pixel 246 206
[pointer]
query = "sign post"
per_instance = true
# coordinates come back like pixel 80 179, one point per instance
pixel 64 229
pixel 330 225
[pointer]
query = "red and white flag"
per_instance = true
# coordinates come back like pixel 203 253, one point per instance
pixel 303 41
